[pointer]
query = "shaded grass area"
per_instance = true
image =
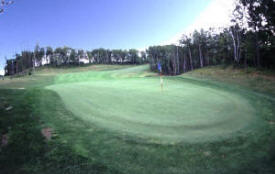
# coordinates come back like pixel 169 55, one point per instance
pixel 84 147
pixel 27 150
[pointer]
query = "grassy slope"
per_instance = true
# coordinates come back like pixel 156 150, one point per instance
pixel 261 81
pixel 111 152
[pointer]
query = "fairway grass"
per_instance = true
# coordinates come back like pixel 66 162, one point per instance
pixel 120 119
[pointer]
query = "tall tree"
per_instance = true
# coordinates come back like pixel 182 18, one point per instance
pixel 186 42
pixel 261 20
pixel 49 54
pixel 199 39
pixel 73 56
pixel 143 56
pixel 80 55
pixel 133 56
pixel 237 29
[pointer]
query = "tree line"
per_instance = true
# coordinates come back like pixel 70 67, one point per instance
pixel 63 56
pixel 249 41
pixel 200 49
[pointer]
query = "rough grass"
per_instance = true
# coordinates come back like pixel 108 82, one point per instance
pixel 259 80
pixel 123 126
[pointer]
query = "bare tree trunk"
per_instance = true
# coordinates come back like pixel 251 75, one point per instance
pixel 184 63
pixel 178 61
pixel 175 65
pixel 190 56
pixel 16 67
pixel 12 67
pixel 236 45
pixel 245 62
pixel 257 50
pixel 201 58
pixel 207 58
pixel 33 62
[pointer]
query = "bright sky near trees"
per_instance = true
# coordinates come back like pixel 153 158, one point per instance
pixel 90 24
pixel 216 15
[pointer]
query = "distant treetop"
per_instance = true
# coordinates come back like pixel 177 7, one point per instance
pixel 3 4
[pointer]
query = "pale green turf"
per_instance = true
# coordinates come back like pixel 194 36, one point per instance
pixel 130 101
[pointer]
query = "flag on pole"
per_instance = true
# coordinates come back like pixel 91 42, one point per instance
pixel 159 67
pixel 160 77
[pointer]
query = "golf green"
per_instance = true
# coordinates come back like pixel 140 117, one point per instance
pixel 131 102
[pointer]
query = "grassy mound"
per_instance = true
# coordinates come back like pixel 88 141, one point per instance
pixel 183 112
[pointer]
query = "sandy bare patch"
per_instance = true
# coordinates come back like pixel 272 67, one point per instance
pixel 272 122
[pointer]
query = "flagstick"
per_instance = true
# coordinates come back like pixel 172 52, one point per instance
pixel 160 73
pixel 161 82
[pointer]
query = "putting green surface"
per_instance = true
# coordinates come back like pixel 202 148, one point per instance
pixel 130 101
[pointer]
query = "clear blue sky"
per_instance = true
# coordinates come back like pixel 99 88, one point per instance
pixel 90 24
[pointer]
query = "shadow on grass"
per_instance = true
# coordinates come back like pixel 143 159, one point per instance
pixel 27 151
